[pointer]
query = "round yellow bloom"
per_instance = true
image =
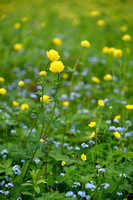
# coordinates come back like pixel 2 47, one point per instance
pixel 2 91
pixel 117 117
pixel 123 28
pixel 110 107
pixel 15 103
pixel 92 124
pixel 100 22
pixel 42 73
pixel 92 135
pixel 65 75
pixel 65 103
pixel 117 134
pixel 100 102
pixel 107 77
pixel 46 99
pixel 53 55
pixel 95 79
pixel 111 50
pixel 21 83
pixel 105 50
pixel 24 19
pixel 94 13
pixel 2 80
pixel 83 157
pixel 24 106
pixel 18 47
pixel 17 25
pixel 57 41
pixel 85 44
pixel 56 67
pixel 126 38
pixel 117 53
pixel 63 163
pixel 129 107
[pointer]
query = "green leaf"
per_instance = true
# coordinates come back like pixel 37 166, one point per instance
pixel 37 189
pixel 27 193
pixel 40 181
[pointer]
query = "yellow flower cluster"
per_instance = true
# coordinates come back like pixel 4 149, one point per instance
pixel 92 124
pixel 117 53
pixel 129 107
pixel 95 79
pixel 45 99
pixel 2 91
pixel 83 157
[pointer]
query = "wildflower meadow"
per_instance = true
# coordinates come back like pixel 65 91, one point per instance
pixel 66 100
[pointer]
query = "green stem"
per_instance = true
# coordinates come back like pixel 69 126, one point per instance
pixel 43 104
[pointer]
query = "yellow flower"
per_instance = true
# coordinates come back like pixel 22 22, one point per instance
pixel 111 50
pixel 63 163
pixel 92 124
pixel 83 157
pixel 46 99
pixel 43 24
pixel 18 47
pixel 53 55
pixel 105 50
pixel 21 83
pixel 110 107
pixel 95 79
pixel 92 135
pixel 42 73
pixel 24 19
pixel 125 88
pixel 2 91
pixel 65 75
pixel 2 80
pixel 129 107
pixel 123 28
pixel 65 103
pixel 57 41
pixel 100 102
pixel 107 77
pixel 56 67
pixel 85 44
pixel 117 117
pixel 15 103
pixel 94 13
pixel 100 22
pixel 117 53
pixel 117 134
pixel 24 106
pixel 126 38
pixel 17 25
pixel 128 51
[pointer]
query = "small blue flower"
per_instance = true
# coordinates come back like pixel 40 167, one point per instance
pixel 81 193
pixel 101 170
pixel 91 142
pixel 105 185
pixel 69 193
pixel 122 175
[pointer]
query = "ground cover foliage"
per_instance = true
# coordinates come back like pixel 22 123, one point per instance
pixel 66 99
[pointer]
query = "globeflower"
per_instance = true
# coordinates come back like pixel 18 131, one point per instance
pixel 105 50
pixel 2 80
pixel 92 124
pixel 65 75
pixel 24 19
pixel 21 83
pixel 117 53
pixel 129 107
pixel 92 135
pixel 107 77
pixel 46 99
pixel 42 73
pixel 100 102
pixel 2 91
pixel 117 117
pixel 56 67
pixel 24 106
pixel 123 28
pixel 83 157
pixel 17 25
pixel 100 22
pixel 15 103
pixel 95 79
pixel 57 41
pixel 111 50
pixel 94 13
pixel 126 38
pixel 53 55
pixel 65 103
pixel 85 44
pixel 63 163
pixel 18 47
pixel 117 134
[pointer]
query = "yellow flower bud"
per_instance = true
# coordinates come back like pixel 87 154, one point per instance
pixel 2 91
pixel 100 22
pixel 117 134
pixel 17 25
pixel 15 103
pixel 46 99
pixel 107 77
pixel 129 107
pixel 95 79
pixel 85 44
pixel 56 67
pixel 126 38
pixel 94 13
pixel 2 80
pixel 123 28
pixel 53 55
pixel 24 106
pixel 92 124
pixel 42 73
pixel 100 102
pixel 92 135
pixel 63 163
pixel 18 47
pixel 65 103
pixel 105 50
pixel 57 41
pixel 83 157
pixel 65 75
pixel 117 53
pixel 21 83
